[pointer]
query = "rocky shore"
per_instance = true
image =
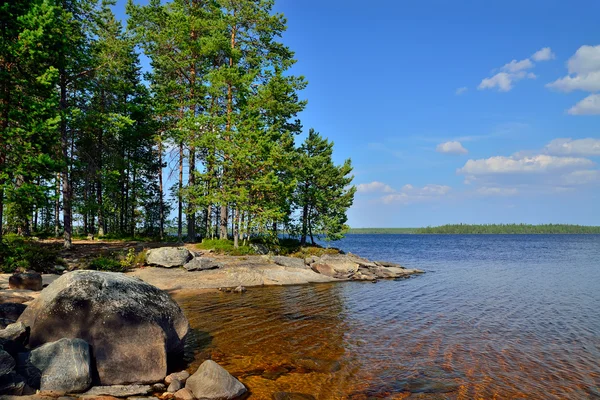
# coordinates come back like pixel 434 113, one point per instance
pixel 105 335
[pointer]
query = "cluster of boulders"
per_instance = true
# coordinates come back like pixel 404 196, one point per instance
pixel 174 257
pixel 102 334
pixel 347 267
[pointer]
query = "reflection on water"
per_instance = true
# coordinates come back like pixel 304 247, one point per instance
pixel 492 318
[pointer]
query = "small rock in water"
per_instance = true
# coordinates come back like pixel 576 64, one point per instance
pixel 174 386
pixel 239 289
pixel 184 394
pixel 213 382
pixel 180 376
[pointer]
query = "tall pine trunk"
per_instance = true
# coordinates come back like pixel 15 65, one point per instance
pixel 64 141
pixel 161 203
pixel 57 207
pixel 179 195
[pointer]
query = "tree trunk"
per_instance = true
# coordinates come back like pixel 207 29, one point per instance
pixel 99 179
pixel 133 200
pixel 160 193
pixel 57 207
pixel 304 224
pixel 179 196
pixel 190 214
pixel 1 211
pixel 223 233
pixel 236 229
pixel 64 141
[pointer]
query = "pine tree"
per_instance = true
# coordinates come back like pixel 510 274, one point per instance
pixel 324 193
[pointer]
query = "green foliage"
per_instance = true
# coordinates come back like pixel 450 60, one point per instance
pixel 224 246
pixel 104 263
pixel 510 229
pixel 324 191
pixel 17 253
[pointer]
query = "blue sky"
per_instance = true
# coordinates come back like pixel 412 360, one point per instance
pixel 456 111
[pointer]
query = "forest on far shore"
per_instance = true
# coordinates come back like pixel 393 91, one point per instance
pixel 482 229
pixel 87 135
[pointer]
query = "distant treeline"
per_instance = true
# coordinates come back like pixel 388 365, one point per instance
pixel 513 229
pixel 382 231
pixel 490 229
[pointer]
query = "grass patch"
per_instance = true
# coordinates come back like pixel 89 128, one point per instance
pixel 118 262
pixel 224 247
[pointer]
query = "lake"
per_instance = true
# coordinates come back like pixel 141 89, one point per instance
pixel 500 316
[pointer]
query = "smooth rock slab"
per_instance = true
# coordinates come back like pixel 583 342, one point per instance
pixel 290 262
pixel 119 391
pixel 213 382
pixel 61 366
pixel 168 257
pixel 130 325
pixel 202 264
pixel 26 280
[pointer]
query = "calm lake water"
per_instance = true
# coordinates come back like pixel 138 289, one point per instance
pixel 502 317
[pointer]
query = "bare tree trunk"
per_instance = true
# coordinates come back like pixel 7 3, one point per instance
pixel 179 196
pixel 133 200
pixel 1 211
pixel 224 211
pixel 57 207
pixel 160 193
pixel 66 187
pixel 304 224
pixel 236 228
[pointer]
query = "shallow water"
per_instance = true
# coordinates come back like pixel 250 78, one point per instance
pixel 501 317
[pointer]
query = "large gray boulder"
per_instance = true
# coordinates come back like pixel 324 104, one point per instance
pixel 212 382
pixel 290 262
pixel 202 264
pixel 130 325
pixel 26 280
pixel 168 257
pixel 63 366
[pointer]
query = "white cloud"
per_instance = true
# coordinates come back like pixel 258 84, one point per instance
pixel 515 71
pixel 588 106
pixel 585 60
pixel 589 82
pixel 496 191
pixel 410 194
pixel 454 147
pixel 584 71
pixel 461 90
pixel 516 165
pixel 516 66
pixel 544 54
pixel 374 187
pixel 583 177
pixel 578 147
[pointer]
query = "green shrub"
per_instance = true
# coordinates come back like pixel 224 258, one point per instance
pixel 19 253
pixel 224 247
pixel 104 263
